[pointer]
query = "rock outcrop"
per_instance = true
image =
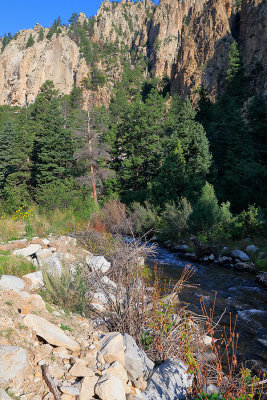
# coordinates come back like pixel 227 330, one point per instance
pixel 186 41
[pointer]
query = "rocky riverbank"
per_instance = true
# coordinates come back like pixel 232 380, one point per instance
pixel 234 259
pixel 48 353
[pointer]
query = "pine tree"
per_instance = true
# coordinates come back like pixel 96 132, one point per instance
pixel 30 42
pixel 53 149
pixel 5 155
pixel 235 73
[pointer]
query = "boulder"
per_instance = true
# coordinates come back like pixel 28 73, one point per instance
pixel 225 260
pixel 252 249
pixel 51 264
pixel 71 390
pixel 88 387
pixel 169 381
pixel 108 282
pixel 8 282
pixel 55 371
pixel 241 266
pixel 137 364
pixel 111 347
pixel 35 279
pixel 46 242
pixel 43 253
pixel 50 332
pixel 240 255
pixel 13 363
pixel 80 369
pixel 13 244
pixel 110 387
pixel 98 264
pixel 181 247
pixel 27 251
pixel 4 395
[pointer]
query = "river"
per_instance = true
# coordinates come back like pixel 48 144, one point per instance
pixel 237 292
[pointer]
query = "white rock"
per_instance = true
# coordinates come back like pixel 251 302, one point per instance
pixel 13 363
pixel 50 332
pixel 137 364
pixel 240 255
pixel 43 253
pixel 112 348
pixel 8 282
pixel 51 264
pixel 4 395
pixel 27 251
pixel 108 282
pixel 56 371
pixel 211 257
pixel 45 241
pixel 36 279
pixel 101 297
pixel 98 264
pixel 88 387
pixel 71 390
pixel 98 307
pixel 169 381
pixel 110 387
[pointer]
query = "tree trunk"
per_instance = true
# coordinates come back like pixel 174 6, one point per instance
pixel 90 150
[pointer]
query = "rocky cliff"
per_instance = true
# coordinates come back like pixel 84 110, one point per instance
pixel 186 40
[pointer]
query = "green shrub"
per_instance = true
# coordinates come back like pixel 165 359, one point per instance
pixel 207 213
pixel 144 217
pixel 175 219
pixel 67 289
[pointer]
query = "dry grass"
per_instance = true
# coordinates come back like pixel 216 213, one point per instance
pixel 11 229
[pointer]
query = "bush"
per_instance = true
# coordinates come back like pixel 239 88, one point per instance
pixel 207 213
pixel 175 219
pixel 67 289
pixel 144 218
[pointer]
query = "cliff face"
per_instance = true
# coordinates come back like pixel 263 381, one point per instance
pixel 253 39
pixel 23 71
pixel 186 40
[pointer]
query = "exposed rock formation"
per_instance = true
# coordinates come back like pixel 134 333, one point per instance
pixel 186 40
pixel 253 38
pixel 23 71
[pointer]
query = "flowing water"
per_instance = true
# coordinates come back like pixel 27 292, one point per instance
pixel 237 292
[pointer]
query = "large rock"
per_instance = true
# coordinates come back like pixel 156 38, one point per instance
pixel 88 387
pixel 8 282
pixel 110 387
pixel 43 253
pixel 27 251
pixel 169 381
pixel 252 249
pixel 13 363
pixel 98 264
pixel 13 244
pixel 136 361
pixel 50 332
pixel 51 264
pixel 35 279
pixel 240 255
pixel 112 348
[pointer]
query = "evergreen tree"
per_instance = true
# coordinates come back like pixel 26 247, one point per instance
pixel 41 35
pixel 5 155
pixel 235 73
pixel 53 150
pixel 30 42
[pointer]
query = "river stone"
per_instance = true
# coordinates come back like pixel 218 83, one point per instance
pixel 112 348
pixel 136 361
pixel 240 255
pixel 169 381
pixel 27 251
pixel 13 362
pixel 36 279
pixel 4 395
pixel 252 249
pixel 50 332
pixel 98 264
pixel 71 390
pixel 110 387
pixel 8 282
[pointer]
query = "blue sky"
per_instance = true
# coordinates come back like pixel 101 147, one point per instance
pixel 23 14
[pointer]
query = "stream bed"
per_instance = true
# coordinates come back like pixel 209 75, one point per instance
pixel 237 292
